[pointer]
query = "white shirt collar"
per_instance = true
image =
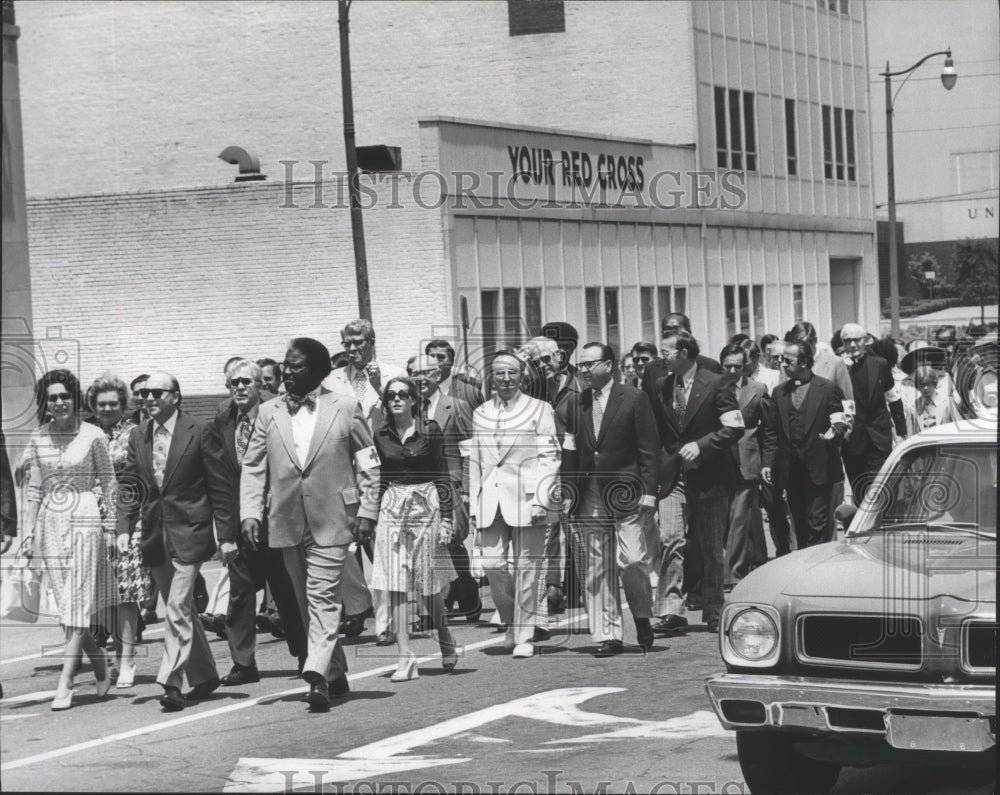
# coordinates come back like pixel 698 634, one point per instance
pixel 432 404
pixel 444 386
pixel 498 403
pixel 604 392
pixel 687 379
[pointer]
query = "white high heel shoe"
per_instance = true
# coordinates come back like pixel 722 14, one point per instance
pixel 127 676
pixel 406 671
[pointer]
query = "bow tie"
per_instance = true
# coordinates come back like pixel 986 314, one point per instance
pixel 295 402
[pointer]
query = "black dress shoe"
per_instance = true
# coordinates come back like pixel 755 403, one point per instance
pixel 264 622
pixel 150 617
pixel 609 648
pixel 386 638
pixel 643 634
pixel 671 625
pixel 171 700
pixel 203 690
pixel 713 626
pixel 241 675
pixel 422 624
pixel 319 695
pixel 541 634
pixel 340 686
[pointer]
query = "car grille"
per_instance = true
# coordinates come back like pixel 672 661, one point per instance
pixel 878 641
pixel 981 646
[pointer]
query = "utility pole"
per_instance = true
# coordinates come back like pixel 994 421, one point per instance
pixel 357 222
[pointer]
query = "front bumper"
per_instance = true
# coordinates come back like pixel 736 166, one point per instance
pixel 926 717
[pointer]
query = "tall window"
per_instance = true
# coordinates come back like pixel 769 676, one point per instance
pixel 744 309
pixel 505 320
pixel 670 299
pixel 798 306
pixel 838 144
pixel 735 129
pixel 593 313
pixel 490 317
pixel 525 17
pixel 512 328
pixel 647 314
pixel 791 151
pixel 612 324
pixel 533 310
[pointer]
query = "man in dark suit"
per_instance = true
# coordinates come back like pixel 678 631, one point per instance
pixel 454 417
pixel 878 406
pixel 249 569
pixel 611 476
pixel 178 483
pixel 311 454
pixel 699 421
pixel 745 545
pixel 450 383
pixel 802 433
pixel 656 369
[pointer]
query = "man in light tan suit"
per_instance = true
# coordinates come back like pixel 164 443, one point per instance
pixel 312 451
pixel 514 459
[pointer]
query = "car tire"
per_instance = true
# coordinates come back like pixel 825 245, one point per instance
pixel 772 766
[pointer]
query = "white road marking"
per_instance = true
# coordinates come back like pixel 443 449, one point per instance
pixel 198 716
pixel 5 718
pixel 393 754
pixel 39 695
pixel 56 650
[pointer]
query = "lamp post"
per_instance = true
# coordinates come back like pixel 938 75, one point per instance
pixel 948 78
pixel 357 223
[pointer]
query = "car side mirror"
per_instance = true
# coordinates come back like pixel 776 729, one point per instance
pixel 845 514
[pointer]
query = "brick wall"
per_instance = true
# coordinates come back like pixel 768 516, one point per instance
pixel 138 96
pixel 182 280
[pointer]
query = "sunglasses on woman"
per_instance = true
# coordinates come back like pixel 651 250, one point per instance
pixel 393 395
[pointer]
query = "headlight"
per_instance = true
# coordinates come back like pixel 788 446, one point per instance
pixel 753 636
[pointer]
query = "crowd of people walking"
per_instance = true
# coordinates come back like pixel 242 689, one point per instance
pixel 561 474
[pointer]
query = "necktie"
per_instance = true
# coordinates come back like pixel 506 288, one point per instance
pixel 598 414
pixel 499 432
pixel 161 445
pixel 360 385
pixel 680 401
pixel 243 427
pixel 425 409
pixel 295 402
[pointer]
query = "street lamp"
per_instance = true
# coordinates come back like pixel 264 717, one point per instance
pixel 948 78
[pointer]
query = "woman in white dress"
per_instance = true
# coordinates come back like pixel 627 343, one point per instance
pixel 66 530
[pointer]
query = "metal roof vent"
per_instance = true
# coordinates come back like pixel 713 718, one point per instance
pixel 248 163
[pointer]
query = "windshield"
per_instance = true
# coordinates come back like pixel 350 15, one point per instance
pixel 938 485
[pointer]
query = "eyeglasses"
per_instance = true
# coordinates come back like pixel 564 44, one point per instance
pixel 588 366
pixel 156 393
pixel 788 360
pixel 63 396
pixel 402 395
pixel 441 356
pixel 852 340
pixel 240 381
pixel 507 375
pixel 733 367
pixel 668 353
pixel 348 344
pixel 546 359
pixel 642 359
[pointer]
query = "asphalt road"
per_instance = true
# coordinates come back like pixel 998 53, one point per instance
pixel 562 721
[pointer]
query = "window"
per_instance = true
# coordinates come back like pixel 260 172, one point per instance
pixel 490 318
pixel 533 310
pixel 742 315
pixel 798 308
pixel 735 130
pixel 838 144
pixel 612 324
pixel 670 299
pixel 525 17
pixel 791 152
pixel 593 313
pixel 511 324
pixel 975 172
pixel 647 314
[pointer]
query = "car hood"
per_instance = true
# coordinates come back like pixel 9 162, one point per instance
pixel 898 564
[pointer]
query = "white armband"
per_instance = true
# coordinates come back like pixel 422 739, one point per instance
pixel 848 407
pixel 732 419
pixel 465 448
pixel 569 442
pixel 838 418
pixel 366 459
pixel 892 395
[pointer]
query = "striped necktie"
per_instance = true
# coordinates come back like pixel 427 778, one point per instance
pixel 161 446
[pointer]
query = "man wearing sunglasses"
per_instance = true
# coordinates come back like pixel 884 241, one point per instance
pixel 878 407
pixel 364 376
pixel 311 452
pixel 802 436
pixel 249 568
pixel 175 479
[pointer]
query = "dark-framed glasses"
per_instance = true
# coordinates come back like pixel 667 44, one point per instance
pixel 156 394
pixel 588 366
pixel 240 381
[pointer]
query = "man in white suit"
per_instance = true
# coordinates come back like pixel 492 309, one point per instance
pixel 312 451
pixel 514 459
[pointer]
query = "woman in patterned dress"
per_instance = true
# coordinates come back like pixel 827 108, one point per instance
pixel 66 529
pixel 107 398
pixel 414 527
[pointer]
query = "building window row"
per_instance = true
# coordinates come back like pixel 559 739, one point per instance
pixel 735 137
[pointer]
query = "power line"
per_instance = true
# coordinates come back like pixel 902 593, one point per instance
pixel 935 129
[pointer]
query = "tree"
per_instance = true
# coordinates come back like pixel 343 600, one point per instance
pixel 920 264
pixel 975 268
